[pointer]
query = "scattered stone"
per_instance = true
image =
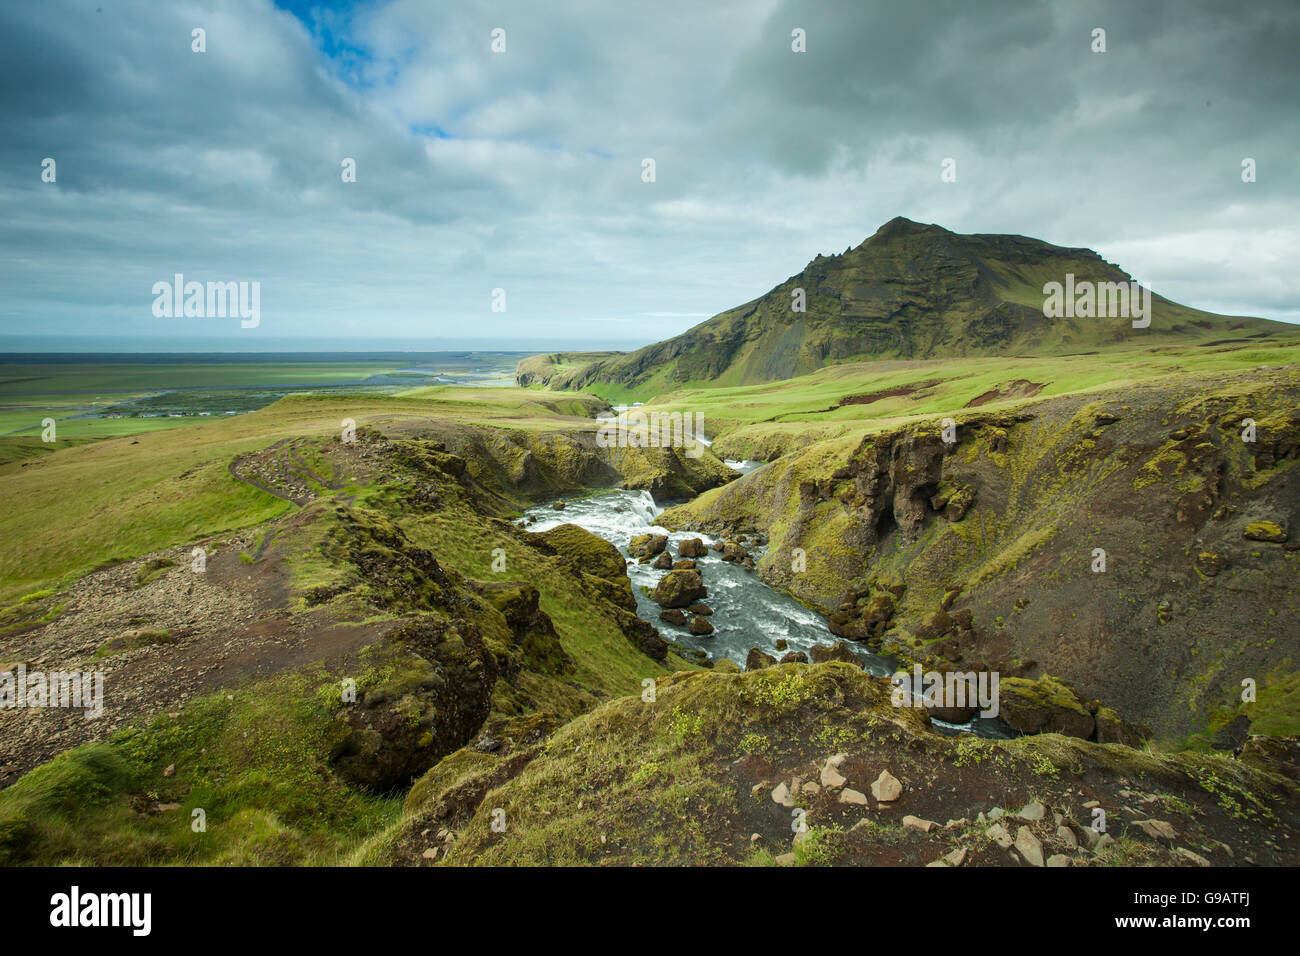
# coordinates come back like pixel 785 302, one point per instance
pixel 1029 847
pixel 662 563
pixel 1058 859
pixel 1196 858
pixel 701 609
pixel 785 859
pixel 999 834
pixel 673 616
pixel 1033 812
pixel 431 853
pixel 1157 829
pixel 886 787
pixel 831 777
pixel 781 795
pixel 849 795
pixel 957 857
pixel 812 788
pixel 925 826
pixel 997 813
pixel 170 769
pixel 1066 835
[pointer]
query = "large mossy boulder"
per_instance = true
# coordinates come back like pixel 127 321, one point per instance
pixel 589 552
pixel 1044 706
pixel 532 628
pixel 435 694
pixel 679 589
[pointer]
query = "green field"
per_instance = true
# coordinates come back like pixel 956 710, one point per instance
pixel 119 497
pixel 810 407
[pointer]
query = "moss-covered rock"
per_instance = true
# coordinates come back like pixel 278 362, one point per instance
pixel 437 694
pixel 1265 531
pixel 679 589
pixel 1044 706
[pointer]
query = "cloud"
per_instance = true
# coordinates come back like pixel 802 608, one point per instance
pixel 522 170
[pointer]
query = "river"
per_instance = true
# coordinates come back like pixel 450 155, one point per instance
pixel 746 612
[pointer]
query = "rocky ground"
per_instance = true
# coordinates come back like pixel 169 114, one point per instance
pixel 811 764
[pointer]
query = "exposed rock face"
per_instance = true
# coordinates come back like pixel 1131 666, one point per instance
pixel 600 567
pixel 1039 576
pixel 679 589
pixel 533 629
pixel 440 696
pixel 1276 754
pixel 643 635
pixel 757 660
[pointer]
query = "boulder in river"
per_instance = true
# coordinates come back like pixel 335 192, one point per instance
pixel 685 564
pixel 701 609
pixel 839 651
pixel 731 551
pixel 679 589
pixel 700 627
pixel 664 562
pixel 647 545
pixel 794 657
pixel 692 548
pixel 673 616
pixel 757 660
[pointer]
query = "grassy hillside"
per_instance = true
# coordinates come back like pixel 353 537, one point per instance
pixel 911 291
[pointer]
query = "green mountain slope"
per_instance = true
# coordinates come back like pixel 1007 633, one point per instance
pixel 911 291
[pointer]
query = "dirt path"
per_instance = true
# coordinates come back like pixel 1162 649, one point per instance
pixel 185 634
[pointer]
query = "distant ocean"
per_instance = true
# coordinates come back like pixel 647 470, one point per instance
pixel 135 345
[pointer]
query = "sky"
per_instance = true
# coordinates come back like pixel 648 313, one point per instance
pixel 522 168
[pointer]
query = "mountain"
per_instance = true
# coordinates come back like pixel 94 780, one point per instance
pixel 911 291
